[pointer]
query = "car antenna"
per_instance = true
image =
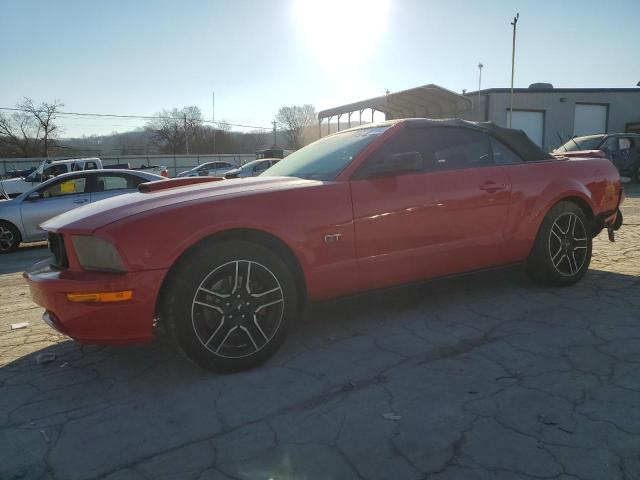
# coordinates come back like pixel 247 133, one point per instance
pixel 560 138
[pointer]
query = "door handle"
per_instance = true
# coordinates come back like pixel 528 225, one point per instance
pixel 493 187
pixel 80 200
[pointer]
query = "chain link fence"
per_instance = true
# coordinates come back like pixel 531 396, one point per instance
pixel 174 163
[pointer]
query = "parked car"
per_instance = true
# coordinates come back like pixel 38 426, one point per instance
pixel 623 149
pixel 252 169
pixel 15 186
pixel 49 169
pixel 18 173
pixel 156 169
pixel 226 266
pixel 210 169
pixel 21 217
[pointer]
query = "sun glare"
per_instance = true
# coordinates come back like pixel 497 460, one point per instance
pixel 341 33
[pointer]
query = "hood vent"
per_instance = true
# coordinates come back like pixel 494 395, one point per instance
pixel 174 182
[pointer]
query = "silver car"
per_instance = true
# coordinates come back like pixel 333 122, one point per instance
pixel 252 169
pixel 211 169
pixel 20 217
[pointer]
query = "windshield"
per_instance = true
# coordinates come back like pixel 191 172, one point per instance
pixel 250 164
pixel 326 158
pixel 581 143
pixel 36 175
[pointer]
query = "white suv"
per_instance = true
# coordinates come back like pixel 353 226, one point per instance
pixel 15 186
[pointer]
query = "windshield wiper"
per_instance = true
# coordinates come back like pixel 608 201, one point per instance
pixel 573 140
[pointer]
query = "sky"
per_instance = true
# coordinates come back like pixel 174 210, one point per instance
pixel 139 57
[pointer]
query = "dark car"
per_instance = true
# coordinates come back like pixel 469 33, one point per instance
pixel 623 149
pixel 19 173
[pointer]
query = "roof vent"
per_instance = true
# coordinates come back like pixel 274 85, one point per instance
pixel 541 86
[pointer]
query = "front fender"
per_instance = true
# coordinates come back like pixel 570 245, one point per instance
pixel 300 219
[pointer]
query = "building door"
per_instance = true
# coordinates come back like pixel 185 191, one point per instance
pixel 589 119
pixel 531 123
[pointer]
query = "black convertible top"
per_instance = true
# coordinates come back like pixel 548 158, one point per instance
pixel 517 140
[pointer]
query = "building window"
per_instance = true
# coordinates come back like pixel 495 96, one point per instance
pixel 590 119
pixel 530 122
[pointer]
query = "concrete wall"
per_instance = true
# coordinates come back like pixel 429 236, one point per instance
pixel 175 163
pixel 624 107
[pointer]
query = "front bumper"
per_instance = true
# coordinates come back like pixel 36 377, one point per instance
pixel 124 322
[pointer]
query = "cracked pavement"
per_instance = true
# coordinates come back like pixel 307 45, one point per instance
pixel 485 376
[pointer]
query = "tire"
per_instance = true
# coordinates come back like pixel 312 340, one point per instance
pixel 10 237
pixel 220 321
pixel 562 250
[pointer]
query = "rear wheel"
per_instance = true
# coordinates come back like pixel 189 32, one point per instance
pixel 9 237
pixel 230 305
pixel 562 250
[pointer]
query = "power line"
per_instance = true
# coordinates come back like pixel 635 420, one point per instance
pixel 143 117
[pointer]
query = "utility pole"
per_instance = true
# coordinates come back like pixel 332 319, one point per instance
pixel 513 64
pixel 213 119
pixel 186 133
pixel 480 65
pixel 275 143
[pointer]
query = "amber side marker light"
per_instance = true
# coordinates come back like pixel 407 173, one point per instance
pixel 101 297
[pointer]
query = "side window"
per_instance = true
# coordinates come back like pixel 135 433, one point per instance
pixel 71 186
pixel 107 183
pixel 503 155
pixel 624 143
pixel 402 142
pixel 90 166
pixel 261 167
pixel 54 171
pixel 450 148
pixel 610 145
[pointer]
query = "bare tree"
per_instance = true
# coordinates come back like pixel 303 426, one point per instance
pixel 175 127
pixel 30 130
pixel 16 134
pixel 44 116
pixel 294 120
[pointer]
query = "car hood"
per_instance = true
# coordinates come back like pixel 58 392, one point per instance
pixel 15 185
pixel 89 218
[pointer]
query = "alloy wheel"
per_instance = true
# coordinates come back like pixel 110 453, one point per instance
pixel 7 239
pixel 237 309
pixel 568 244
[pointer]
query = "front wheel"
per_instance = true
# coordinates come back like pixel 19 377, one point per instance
pixel 9 237
pixel 230 304
pixel 562 250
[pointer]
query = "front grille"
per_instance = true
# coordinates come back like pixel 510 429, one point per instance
pixel 58 252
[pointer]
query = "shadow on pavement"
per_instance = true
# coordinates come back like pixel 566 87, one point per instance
pixel 23 258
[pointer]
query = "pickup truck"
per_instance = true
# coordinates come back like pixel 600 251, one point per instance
pixel 13 187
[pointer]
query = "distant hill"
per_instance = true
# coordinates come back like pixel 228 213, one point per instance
pixel 142 142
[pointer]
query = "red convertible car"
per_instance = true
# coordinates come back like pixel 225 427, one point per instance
pixel 227 264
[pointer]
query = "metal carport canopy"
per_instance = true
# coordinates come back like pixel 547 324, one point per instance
pixel 427 101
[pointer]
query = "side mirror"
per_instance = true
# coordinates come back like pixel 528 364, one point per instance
pixel 396 164
pixel 34 196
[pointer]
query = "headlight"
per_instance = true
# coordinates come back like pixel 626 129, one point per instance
pixel 95 253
